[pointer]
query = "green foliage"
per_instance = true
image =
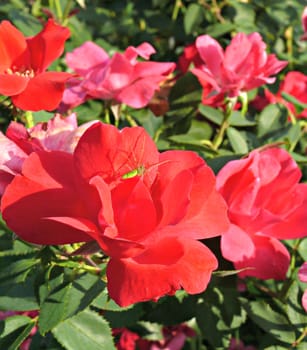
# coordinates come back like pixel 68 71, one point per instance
pixel 87 330
pixel 14 330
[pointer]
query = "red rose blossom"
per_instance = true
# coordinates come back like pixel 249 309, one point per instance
pixel 294 84
pixel 23 66
pixel 146 210
pixel 265 203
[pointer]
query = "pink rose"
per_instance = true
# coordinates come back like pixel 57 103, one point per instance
pixel 242 66
pixel 265 203
pixel 58 133
pixel 121 78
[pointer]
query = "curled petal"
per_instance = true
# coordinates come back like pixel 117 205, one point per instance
pixel 270 260
pixel 162 269
pixel 86 57
pixel 13 46
pixel 12 84
pixel 302 273
pixel 46 189
pixel 47 88
pixel 236 244
pixel 48 45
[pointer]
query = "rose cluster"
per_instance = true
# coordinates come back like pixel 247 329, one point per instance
pixel 147 210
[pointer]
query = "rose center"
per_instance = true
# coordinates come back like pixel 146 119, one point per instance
pixel 23 72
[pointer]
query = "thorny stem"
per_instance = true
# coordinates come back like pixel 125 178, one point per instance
pixel 58 9
pixel 215 8
pixel 178 5
pixel 66 12
pixel 220 135
pixel 299 339
pixel 107 116
pixel 289 42
pixel 266 290
pixel 29 119
pixel 130 120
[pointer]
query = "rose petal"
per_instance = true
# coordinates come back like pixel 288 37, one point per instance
pixel 47 88
pixel 181 263
pixel 270 260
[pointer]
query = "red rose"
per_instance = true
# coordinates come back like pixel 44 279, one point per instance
pixel 23 66
pixel 266 203
pixel 146 209
pixel 294 84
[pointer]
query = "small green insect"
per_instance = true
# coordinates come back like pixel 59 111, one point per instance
pixel 141 170
pixel 135 172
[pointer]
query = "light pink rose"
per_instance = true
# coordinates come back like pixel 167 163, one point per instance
pixel 59 133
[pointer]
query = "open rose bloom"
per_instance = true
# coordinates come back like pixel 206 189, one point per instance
pixel 242 66
pixel 121 78
pixel 147 210
pixel 24 62
pixel 293 84
pixel 266 203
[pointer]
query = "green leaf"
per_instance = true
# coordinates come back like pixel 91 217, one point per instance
pixel 272 322
pixel 84 290
pixel 171 311
pixel 86 330
pixel 48 342
pixel 198 136
pixel 272 118
pixel 302 249
pixel 192 18
pixel 237 119
pixel 237 141
pixel 217 163
pixel 300 106
pixel 148 120
pixel 124 318
pixel 15 330
pixel 213 114
pixel 54 308
pixel 18 297
pixel 16 269
pixel 294 134
pixel 225 273
pixel 11 246
pixel 295 312
pixel 61 298
pixel 104 302
pixel 299 158
pixel 219 29
pixel 218 314
pixel 26 23
pixel 42 116
pixel 184 96
pixel 89 110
